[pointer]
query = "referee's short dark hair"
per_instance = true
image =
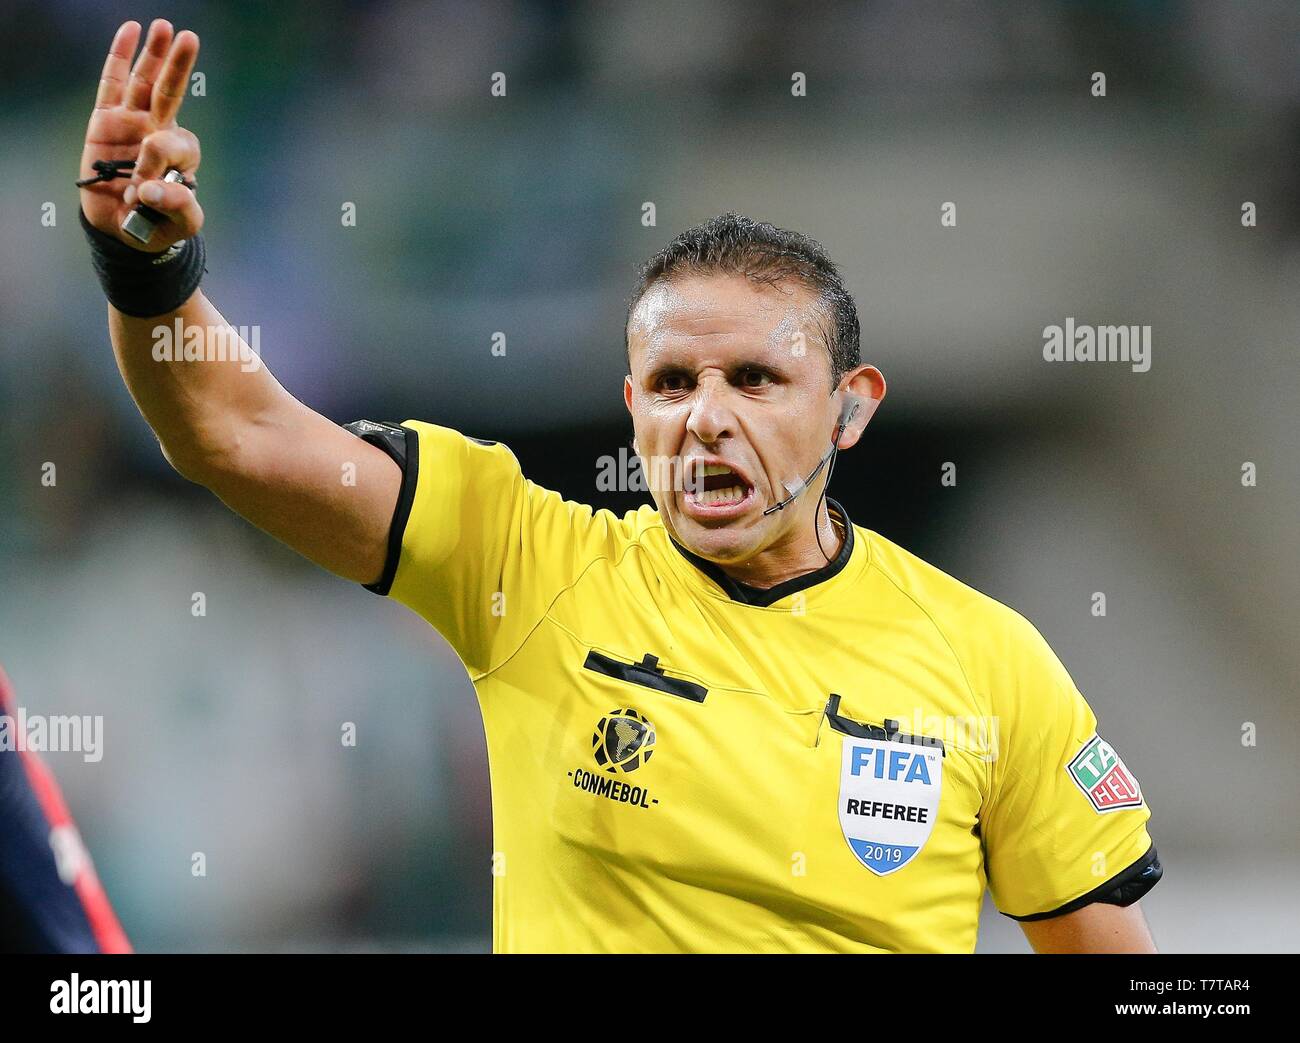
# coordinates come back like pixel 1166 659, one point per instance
pixel 733 244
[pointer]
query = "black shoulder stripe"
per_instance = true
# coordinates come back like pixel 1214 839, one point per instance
pixel 403 445
pixel 1123 889
pixel 646 673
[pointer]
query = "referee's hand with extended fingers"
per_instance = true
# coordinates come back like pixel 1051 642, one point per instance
pixel 134 120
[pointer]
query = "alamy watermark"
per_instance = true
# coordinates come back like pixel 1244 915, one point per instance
pixel 627 472
pixel 1082 343
pixel 75 995
pixel 977 735
pixel 194 343
pixel 22 732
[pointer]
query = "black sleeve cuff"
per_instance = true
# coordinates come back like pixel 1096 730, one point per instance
pixel 1123 889
pixel 403 445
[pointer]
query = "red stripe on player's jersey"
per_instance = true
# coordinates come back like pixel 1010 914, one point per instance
pixel 94 900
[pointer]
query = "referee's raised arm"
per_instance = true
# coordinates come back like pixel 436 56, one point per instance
pixel 221 418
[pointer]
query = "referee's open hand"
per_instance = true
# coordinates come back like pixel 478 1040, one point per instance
pixel 135 119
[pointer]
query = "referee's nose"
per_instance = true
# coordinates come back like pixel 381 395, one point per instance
pixel 712 416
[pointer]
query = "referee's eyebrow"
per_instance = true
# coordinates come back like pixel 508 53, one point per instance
pixel 669 359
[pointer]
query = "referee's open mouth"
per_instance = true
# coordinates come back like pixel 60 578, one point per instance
pixel 715 490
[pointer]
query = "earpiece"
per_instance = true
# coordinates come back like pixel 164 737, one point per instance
pixel 851 406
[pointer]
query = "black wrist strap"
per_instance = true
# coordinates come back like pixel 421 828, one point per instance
pixel 141 284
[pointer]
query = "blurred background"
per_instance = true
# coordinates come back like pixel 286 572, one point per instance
pixel 523 215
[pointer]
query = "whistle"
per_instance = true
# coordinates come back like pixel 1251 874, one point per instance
pixel 141 222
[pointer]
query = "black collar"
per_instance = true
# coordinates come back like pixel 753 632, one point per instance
pixel 748 595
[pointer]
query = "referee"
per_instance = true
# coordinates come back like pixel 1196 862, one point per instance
pixel 732 721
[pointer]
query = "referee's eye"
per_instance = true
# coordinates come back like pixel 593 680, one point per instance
pixel 672 383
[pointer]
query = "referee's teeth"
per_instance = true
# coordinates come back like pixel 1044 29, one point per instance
pixel 732 494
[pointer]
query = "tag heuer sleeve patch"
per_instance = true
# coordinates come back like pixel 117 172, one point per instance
pixel 1098 771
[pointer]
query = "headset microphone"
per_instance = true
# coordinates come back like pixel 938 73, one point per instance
pixel 793 489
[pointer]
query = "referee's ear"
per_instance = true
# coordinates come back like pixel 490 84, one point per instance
pixel 627 401
pixel 865 387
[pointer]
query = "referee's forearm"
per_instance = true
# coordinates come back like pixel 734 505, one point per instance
pixel 197 382
pixel 225 422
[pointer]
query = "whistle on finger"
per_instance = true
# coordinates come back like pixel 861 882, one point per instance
pixel 141 222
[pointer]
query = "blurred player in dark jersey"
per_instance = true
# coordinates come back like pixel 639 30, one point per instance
pixel 51 900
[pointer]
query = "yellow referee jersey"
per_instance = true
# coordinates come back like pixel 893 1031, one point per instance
pixel 683 763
